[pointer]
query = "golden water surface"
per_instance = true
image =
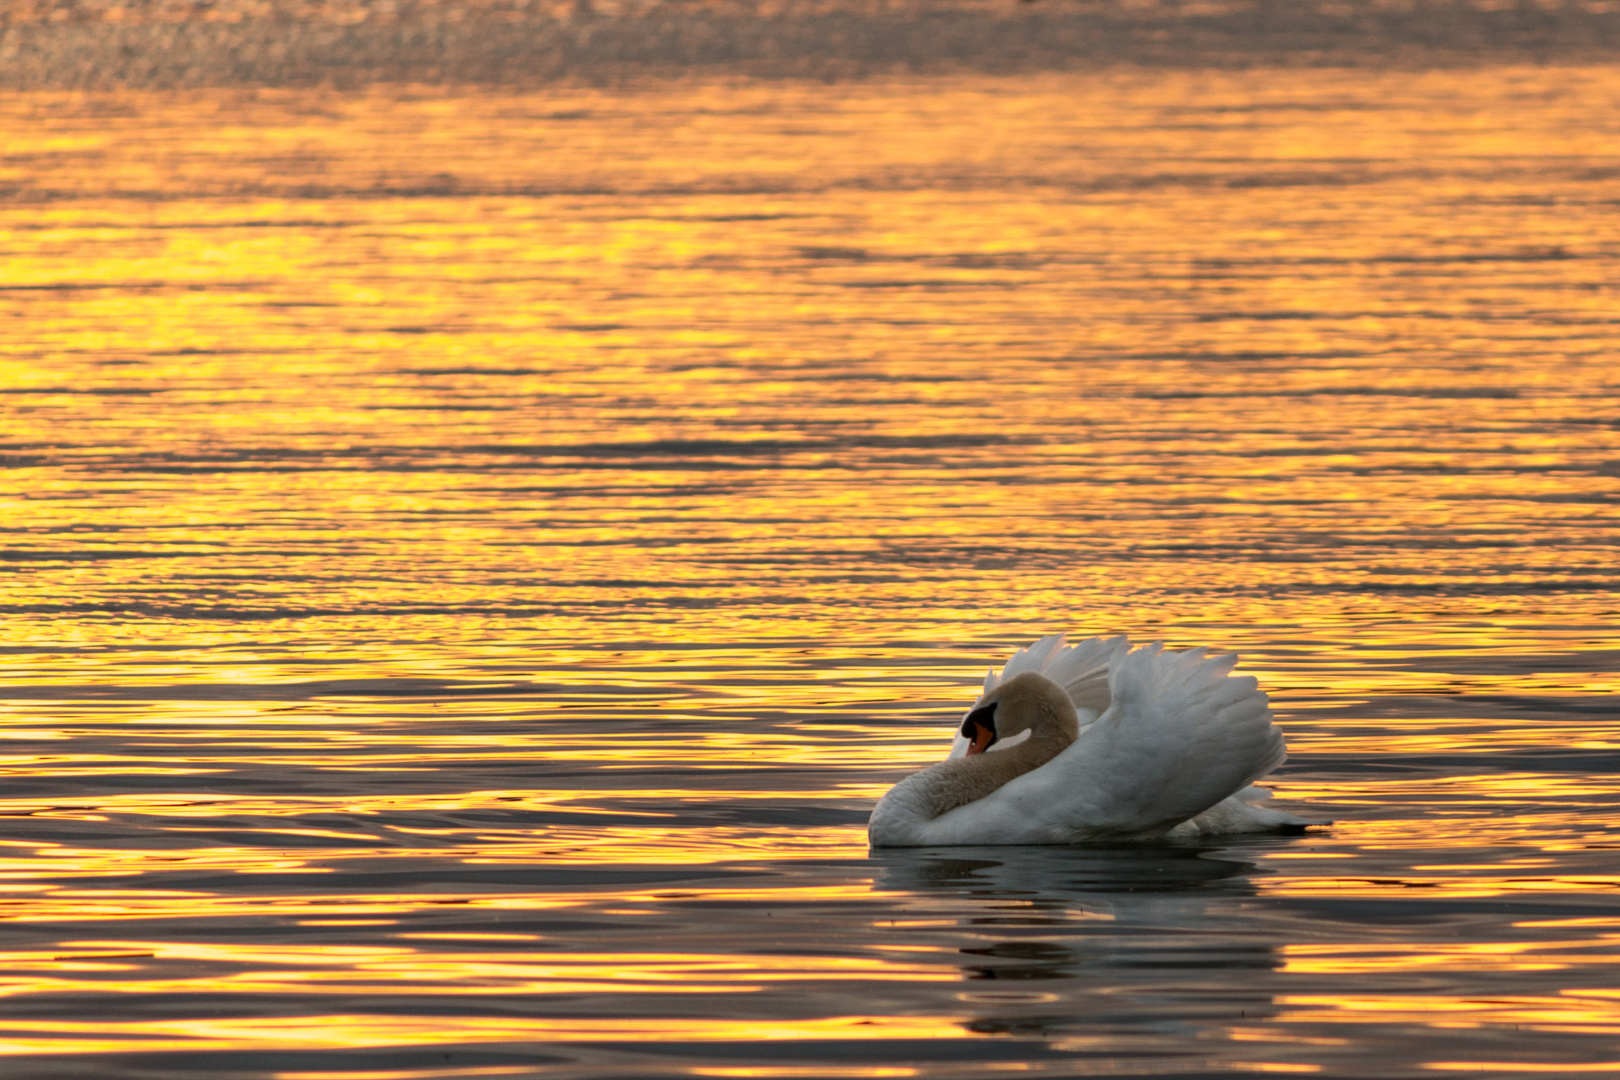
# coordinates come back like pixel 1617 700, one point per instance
pixel 473 560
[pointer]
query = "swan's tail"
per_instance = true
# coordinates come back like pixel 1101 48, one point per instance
pixel 1245 812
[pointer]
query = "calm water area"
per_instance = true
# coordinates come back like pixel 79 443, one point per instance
pixel 474 558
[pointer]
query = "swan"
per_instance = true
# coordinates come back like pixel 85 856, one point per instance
pixel 1096 741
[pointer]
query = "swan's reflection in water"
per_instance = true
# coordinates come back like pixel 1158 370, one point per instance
pixel 1063 873
pixel 1101 949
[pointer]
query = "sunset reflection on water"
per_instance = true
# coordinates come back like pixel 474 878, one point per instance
pixel 476 558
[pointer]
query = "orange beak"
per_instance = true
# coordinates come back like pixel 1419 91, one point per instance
pixel 982 738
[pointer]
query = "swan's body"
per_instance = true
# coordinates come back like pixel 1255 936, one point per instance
pixel 1095 742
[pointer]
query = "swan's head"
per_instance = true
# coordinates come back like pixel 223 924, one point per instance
pixel 1028 706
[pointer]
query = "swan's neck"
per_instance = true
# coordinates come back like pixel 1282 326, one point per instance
pixel 960 781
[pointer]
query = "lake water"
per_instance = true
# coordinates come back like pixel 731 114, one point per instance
pixel 475 558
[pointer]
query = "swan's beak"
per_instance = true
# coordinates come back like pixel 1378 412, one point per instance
pixel 981 738
pixel 979 728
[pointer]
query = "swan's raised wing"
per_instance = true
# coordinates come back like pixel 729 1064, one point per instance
pixel 1181 734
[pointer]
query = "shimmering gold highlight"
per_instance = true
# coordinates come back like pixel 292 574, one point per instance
pixel 474 559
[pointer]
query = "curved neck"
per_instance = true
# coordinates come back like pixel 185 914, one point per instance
pixel 963 780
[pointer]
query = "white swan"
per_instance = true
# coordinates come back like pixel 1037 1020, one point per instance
pixel 1091 741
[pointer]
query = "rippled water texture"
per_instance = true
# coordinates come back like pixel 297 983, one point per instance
pixel 473 562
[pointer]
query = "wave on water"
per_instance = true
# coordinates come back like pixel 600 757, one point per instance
pixel 106 44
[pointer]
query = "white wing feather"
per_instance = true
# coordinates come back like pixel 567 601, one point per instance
pixel 1180 735
pixel 1081 668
